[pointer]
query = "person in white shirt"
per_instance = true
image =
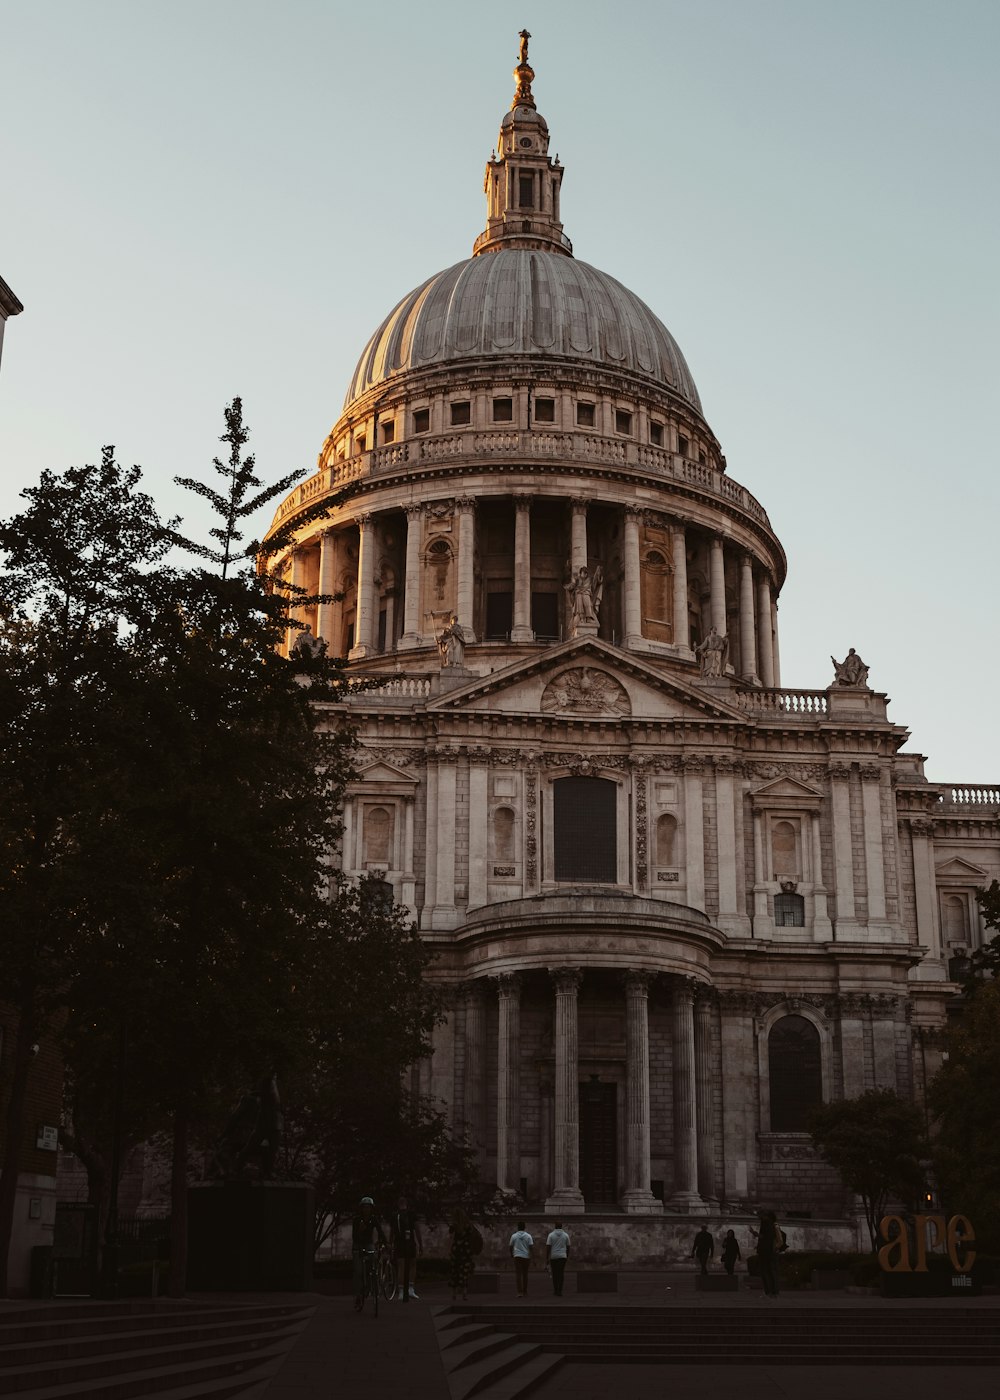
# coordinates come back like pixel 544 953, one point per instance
pixel 557 1252
pixel 521 1245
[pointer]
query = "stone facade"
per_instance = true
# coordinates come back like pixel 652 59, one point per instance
pixel 673 903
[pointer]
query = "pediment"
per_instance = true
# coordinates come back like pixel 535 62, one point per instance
pixel 957 868
pixel 786 793
pixel 588 679
pixel 384 775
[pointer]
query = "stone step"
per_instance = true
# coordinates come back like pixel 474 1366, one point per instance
pixel 42 1323
pixel 468 1353
pixel 227 1378
pixel 528 1376
pixel 474 1379
pixel 17 1378
pixel 467 1332
pixel 188 1333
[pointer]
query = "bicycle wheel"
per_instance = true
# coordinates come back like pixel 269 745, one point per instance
pixel 387 1278
pixel 374 1284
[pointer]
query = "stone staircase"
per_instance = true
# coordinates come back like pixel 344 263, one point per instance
pixel 182 1350
pixel 508 1349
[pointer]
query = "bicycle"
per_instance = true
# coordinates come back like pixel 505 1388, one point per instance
pixel 386 1274
pixel 369 1279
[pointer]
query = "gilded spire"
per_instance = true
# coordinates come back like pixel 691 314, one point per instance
pixel 523 75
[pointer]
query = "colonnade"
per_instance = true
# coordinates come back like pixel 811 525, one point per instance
pixel 756 662
pixel 693 1076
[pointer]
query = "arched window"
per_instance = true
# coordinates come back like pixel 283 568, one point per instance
pixel 666 840
pixel 789 911
pixel 585 835
pixel 795 1073
pixel 956 920
pixel 378 831
pixel 503 834
pixel 783 849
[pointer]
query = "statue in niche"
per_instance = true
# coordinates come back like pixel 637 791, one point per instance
pixel 712 653
pixel 585 591
pixel 451 643
pixel 851 671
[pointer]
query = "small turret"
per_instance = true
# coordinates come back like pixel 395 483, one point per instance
pixel 522 182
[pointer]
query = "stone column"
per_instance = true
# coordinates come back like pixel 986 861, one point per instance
pixel 822 929
pixel 327 584
pixel 884 1044
pixel 925 893
pixel 705 1078
pixel 633 585
pixel 447 770
pixel 475 1065
pixel 694 832
pixel 638 1198
pixel 566 1196
pixel 765 623
pixel 685 1197
pixel 466 508
pixel 682 631
pixel 296 577
pixel 411 600
pixel 739 1095
pixel 717 583
pixel 578 535
pixel 725 811
pixel 776 660
pixel 840 780
pixel 521 631
pixel 852 1046
pixel 430 849
pixel 509 1083
pixel 871 799
pixel 364 623
pixel 748 635
pixel 478 828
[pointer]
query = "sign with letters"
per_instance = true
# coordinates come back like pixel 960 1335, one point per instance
pixel 895 1256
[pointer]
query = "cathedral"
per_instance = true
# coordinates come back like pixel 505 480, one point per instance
pixel 672 904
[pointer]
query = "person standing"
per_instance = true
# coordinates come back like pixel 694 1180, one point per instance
pixel 407 1247
pixel 366 1228
pixel 703 1248
pixel 730 1251
pixel 521 1245
pixel 557 1252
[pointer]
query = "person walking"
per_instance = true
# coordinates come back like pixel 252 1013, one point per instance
pixel 769 1241
pixel 703 1248
pixel 407 1247
pixel 466 1242
pixel 521 1245
pixel 730 1251
pixel 557 1252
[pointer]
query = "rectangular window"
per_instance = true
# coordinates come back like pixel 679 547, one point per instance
pixel 526 191
pixel 585 415
pixel 545 410
pixel 682 444
pixel 388 431
pixel 623 422
pixel 545 616
pixel 360 443
pixel 585 835
pixel 656 434
pixel 499 616
pixel 422 420
pixel 461 413
pixel 503 410
pixel 383 618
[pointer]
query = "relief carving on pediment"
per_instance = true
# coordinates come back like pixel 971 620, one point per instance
pixel 586 691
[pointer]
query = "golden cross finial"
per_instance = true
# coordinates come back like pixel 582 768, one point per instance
pixel 523 74
pixel 524 37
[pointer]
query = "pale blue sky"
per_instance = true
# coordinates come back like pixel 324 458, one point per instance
pixel 217 198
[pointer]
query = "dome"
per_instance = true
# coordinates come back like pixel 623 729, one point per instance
pixel 523 302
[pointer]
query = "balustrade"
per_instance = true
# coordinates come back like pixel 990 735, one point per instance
pixel 971 795
pixel 804 704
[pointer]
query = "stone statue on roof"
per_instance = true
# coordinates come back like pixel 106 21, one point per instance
pixel 851 671
pixel 712 653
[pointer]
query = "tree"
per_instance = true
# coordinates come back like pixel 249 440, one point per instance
pixel 965 1098
pixel 985 961
pixel 876 1144
pixel 75 561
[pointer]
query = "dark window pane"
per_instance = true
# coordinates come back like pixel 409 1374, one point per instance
pixel 461 413
pixel 503 410
pixel 585 415
pixel 499 615
pixel 388 431
pixel 422 420
pixel 584 818
pixel 526 191
pixel 789 911
pixel 545 410
pixel 656 434
pixel 382 620
pixel 795 1072
pixel 682 444
pixel 623 421
pixel 545 615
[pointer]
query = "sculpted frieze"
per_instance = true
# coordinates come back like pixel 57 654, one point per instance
pixel 585 690
pixel 804 772
pixel 397 758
